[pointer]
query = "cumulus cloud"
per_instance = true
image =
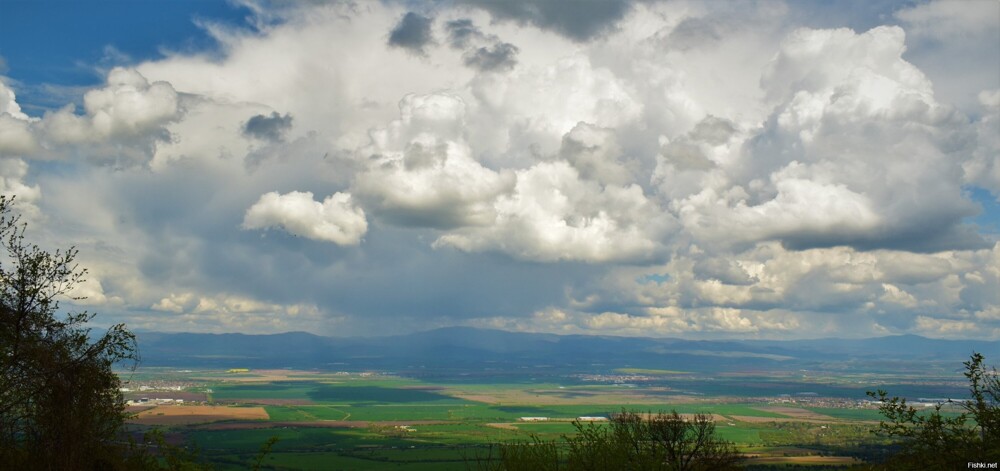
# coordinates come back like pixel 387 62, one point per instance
pixel 12 185
pixel 983 169
pixel 726 271
pixel 16 137
pixel 462 33
pixel 483 52
pixel 596 154
pixel 499 56
pixel 121 122
pixel 421 171
pixel 269 128
pixel 583 21
pixel 950 328
pixel 655 323
pixel 554 215
pixel 531 109
pixel 943 19
pixel 947 36
pixel 835 162
pixel 128 106
pixel 8 103
pixel 693 32
pixel 692 162
pixel 431 184
pixel 225 312
pixel 831 290
pixel 413 33
pixel 335 219
pixel 90 292
pixel 631 168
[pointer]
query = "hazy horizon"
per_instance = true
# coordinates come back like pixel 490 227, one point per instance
pixel 699 170
pixel 653 336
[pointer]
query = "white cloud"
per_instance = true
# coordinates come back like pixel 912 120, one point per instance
pixel 814 60
pixel 983 168
pixel 420 170
pixel 893 294
pixel 328 65
pixel 175 303
pixel 12 184
pixel 16 138
pixel 801 207
pixel 222 312
pixel 833 290
pixel 657 322
pixel 991 313
pixel 532 108
pixel 951 328
pixel 596 155
pixel 209 131
pixel 943 19
pixel 128 106
pixel 690 164
pixel 90 292
pixel 554 215
pixel 717 172
pixel 856 152
pixel 950 36
pixel 8 103
pixel 335 220
pixel 121 123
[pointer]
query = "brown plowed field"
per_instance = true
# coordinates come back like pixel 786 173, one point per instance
pixel 254 376
pixel 316 424
pixel 186 415
pixel 797 413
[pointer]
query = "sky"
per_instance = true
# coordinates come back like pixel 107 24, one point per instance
pixel 763 169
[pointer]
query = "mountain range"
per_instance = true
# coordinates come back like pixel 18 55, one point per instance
pixel 463 348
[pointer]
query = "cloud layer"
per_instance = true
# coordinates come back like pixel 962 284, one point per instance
pixel 630 168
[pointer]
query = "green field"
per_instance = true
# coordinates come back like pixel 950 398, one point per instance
pixel 352 421
pixel 849 414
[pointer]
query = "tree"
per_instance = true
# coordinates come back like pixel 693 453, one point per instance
pixel 60 401
pixel 535 455
pixel 937 441
pixel 654 442
pixel 629 441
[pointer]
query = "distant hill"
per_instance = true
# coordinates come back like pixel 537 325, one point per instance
pixel 463 348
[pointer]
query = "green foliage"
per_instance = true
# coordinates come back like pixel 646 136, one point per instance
pixel 937 441
pixel 984 406
pixel 629 441
pixel 60 404
pixel 516 455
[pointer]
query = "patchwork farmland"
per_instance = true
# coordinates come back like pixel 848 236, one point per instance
pixel 371 420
